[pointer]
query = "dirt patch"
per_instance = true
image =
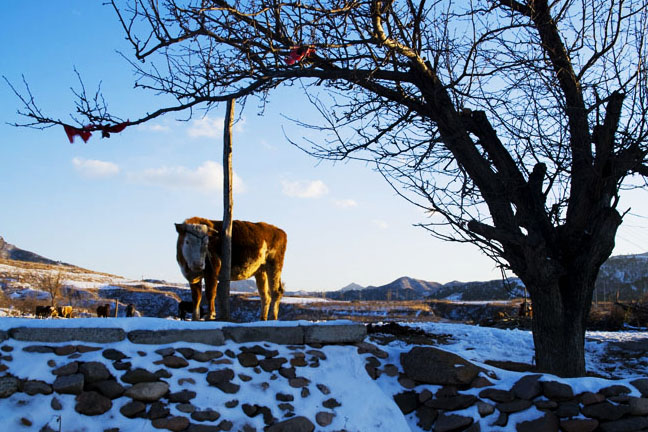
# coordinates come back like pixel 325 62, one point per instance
pixel 388 332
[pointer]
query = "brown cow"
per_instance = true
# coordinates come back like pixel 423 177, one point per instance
pixel 130 310
pixel 64 311
pixel 103 311
pixel 258 250
pixel 46 312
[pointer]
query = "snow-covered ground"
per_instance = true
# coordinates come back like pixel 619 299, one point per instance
pixel 366 405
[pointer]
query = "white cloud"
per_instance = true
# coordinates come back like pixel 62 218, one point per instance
pixel 304 188
pixel 380 223
pixel 208 177
pixel 345 203
pixel 211 127
pixel 156 127
pixel 95 168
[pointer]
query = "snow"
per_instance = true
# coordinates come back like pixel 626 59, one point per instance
pixel 366 405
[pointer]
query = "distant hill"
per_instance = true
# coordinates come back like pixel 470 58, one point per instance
pixel 404 288
pixel 625 274
pixel 9 251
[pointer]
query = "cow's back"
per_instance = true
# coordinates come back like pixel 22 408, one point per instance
pixel 253 244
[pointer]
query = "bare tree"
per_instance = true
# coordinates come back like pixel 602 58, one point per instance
pixel 49 281
pixel 515 123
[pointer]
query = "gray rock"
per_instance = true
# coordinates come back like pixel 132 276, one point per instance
pixel 331 403
pixel 279 335
pixel 133 409
pixel 40 349
pixel 185 408
pixel 186 352
pixel 632 424
pixel 175 424
pixel 67 369
pixel 183 396
pixel 56 404
pixel 589 398
pixel 272 364
pixel 326 334
pixel 205 415
pixel 485 409
pixel 452 403
pixel 406 401
pixel 160 337
pixel 451 422
pixel 109 388
pixel 295 424
pixel 94 371
pixel 51 334
pixel 426 417
pixel 206 355
pixel 147 391
pixel 324 418
pixel 605 411
pixel 8 386
pixel 113 354
pixel 259 350
pixel 138 375
pixel 298 382
pixel 579 425
pixel 434 366
pixel 36 387
pixel 92 403
pixel 638 406
pixel 614 390
pixel 557 391
pixel 546 423
pixel 221 379
pixel 568 409
pixel 157 410
pixel 174 362
pixel 69 384
pixel 514 406
pixel 528 387
pixel 248 359
pixel 641 384
pixel 497 395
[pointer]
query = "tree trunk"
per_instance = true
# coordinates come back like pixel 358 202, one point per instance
pixel 560 310
pixel 223 290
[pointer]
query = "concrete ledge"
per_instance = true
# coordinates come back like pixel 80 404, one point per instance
pixel 298 334
pixel 155 337
pixel 278 335
pixel 332 334
pixel 53 334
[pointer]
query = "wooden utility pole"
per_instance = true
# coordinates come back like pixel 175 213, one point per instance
pixel 223 290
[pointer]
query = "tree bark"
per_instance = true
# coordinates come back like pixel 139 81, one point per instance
pixel 223 290
pixel 559 330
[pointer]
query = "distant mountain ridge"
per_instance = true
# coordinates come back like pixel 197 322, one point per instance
pixel 403 288
pixel 626 275
pixel 9 251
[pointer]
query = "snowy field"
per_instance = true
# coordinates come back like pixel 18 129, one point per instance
pixel 366 405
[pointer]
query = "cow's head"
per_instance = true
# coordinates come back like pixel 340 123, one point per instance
pixel 194 240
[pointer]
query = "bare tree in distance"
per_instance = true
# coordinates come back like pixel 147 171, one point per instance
pixel 514 123
pixel 51 282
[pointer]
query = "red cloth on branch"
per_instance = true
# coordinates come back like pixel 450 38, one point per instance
pixel 297 54
pixel 86 132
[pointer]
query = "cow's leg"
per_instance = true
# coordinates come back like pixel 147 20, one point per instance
pixel 211 283
pixel 196 296
pixel 276 289
pixel 262 285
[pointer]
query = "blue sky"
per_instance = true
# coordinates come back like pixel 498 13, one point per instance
pixel 110 204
